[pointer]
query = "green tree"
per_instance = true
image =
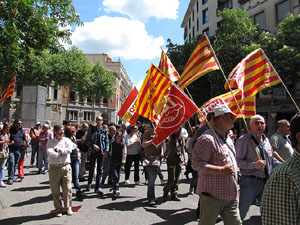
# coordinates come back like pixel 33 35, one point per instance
pixel 283 48
pixel 101 83
pixel 27 25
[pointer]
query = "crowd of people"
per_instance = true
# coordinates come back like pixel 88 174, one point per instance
pixel 228 173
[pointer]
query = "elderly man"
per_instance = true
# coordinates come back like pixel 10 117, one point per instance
pixel 213 157
pixel 280 141
pixel 255 159
pixel 281 197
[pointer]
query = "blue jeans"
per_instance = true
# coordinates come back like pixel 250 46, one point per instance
pixel 2 164
pixel 14 157
pixel 116 175
pixel 152 172
pixel 34 150
pixel 96 156
pixel 43 157
pixel 75 173
pixel 250 189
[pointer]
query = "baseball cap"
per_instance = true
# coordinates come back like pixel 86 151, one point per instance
pixel 38 122
pixel 223 109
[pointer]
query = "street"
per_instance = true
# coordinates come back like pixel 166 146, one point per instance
pixel 30 202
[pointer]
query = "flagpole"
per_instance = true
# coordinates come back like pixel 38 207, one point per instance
pixel 238 106
pixel 281 81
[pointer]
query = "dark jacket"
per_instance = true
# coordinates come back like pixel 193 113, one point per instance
pixel 97 137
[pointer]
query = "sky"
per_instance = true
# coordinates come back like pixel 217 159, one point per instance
pixel 130 30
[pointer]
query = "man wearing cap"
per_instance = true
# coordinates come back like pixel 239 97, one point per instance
pixel 255 159
pixel 213 157
pixel 35 142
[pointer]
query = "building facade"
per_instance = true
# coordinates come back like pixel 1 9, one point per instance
pixel 202 15
pixel 64 104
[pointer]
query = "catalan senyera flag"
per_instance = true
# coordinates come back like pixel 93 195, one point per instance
pixel 178 109
pixel 253 74
pixel 247 105
pixel 166 66
pixel 201 62
pixel 127 111
pixel 9 91
pixel 152 90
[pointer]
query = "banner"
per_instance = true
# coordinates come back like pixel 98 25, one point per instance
pixel 9 91
pixel 201 62
pixel 127 111
pixel 178 109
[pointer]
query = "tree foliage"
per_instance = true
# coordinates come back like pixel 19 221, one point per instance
pixel 27 25
pixel 101 83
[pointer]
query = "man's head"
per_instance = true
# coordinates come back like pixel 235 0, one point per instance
pixel 223 117
pixel 295 131
pixel 283 126
pixel 112 130
pixel 99 120
pixel 257 125
pixel 84 127
pixel 45 127
pixel 37 124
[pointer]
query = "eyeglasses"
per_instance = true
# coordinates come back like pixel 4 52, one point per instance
pixel 259 123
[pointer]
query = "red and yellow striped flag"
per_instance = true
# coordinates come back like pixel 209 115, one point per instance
pixel 166 66
pixel 9 91
pixel 152 90
pixel 201 62
pixel 253 74
pixel 247 105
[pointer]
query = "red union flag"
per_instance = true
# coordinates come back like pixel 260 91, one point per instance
pixel 9 91
pixel 178 109
pixel 127 111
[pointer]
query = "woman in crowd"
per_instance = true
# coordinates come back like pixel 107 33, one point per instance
pixel 4 143
pixel 175 158
pixel 117 160
pixel 70 132
pixel 133 142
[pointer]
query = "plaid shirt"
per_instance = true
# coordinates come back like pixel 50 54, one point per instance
pixel 209 150
pixel 281 197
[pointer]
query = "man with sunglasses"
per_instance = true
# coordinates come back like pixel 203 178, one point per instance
pixel 255 158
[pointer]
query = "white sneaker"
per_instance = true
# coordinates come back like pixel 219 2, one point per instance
pixel 137 183
pixel 118 193
pixel 127 182
pixel 2 184
pixel 162 181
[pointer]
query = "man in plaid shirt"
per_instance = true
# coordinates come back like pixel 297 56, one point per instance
pixel 281 196
pixel 213 157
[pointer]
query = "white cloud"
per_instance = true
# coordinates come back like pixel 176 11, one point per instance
pixel 118 37
pixel 143 9
pixel 139 84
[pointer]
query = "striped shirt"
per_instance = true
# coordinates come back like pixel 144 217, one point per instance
pixel 212 150
pixel 281 197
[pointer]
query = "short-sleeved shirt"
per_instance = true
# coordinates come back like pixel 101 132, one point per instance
pixel 151 150
pixel 281 145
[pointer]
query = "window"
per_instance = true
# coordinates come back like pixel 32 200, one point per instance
pixel 205 16
pixel 185 32
pixel 105 101
pixel 193 16
pixel 189 23
pixel 193 32
pixel 190 38
pixel 72 96
pixel 72 115
pixel 204 1
pixel 224 5
pixel 197 24
pixel 89 116
pixel 206 31
pixel 197 6
pixel 55 91
pixel 260 20
pixel 282 9
pixel 80 99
